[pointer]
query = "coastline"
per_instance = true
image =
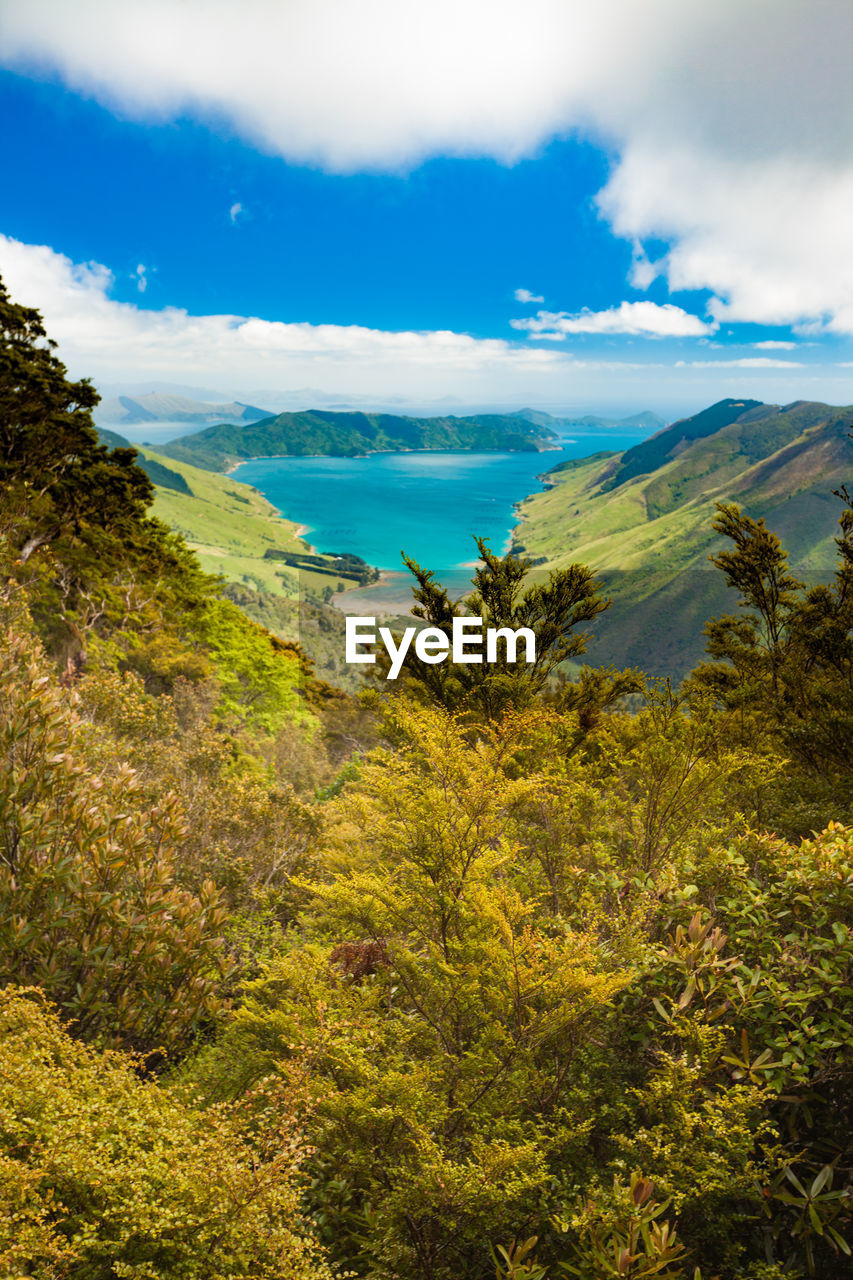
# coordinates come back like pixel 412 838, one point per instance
pixel 300 532
pixel 390 594
pixel 370 453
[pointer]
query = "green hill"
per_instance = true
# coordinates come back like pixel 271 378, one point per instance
pixel 320 431
pixel 267 567
pixel 158 473
pixel 642 518
pixel 237 534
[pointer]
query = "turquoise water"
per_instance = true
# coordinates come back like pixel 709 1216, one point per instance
pixel 427 504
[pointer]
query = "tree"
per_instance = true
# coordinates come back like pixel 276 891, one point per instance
pixel 99 570
pixel 504 598
pixel 786 661
pixel 52 466
pixel 441 1025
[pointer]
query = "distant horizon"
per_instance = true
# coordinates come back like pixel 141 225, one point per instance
pixel 293 402
pixel 299 401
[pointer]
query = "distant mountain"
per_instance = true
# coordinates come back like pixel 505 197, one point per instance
pixel 322 431
pixel 161 407
pixel 591 422
pixel 642 519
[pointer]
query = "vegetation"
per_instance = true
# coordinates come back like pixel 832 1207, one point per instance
pixel 503 599
pixel 321 431
pixel 510 975
pixel 106 1174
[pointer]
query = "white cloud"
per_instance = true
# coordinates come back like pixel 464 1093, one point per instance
pixel 772 238
pixel 120 343
pixel 111 341
pixel 728 122
pixel 772 344
pixel 524 295
pixel 140 277
pixel 642 319
pixel 235 211
pixel 745 362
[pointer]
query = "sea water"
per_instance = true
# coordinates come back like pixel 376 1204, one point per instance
pixel 430 505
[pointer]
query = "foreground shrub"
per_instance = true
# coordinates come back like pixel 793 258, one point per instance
pixel 104 1175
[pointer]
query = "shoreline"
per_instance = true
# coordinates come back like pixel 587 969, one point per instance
pixel 371 453
pixel 397 605
pixel 300 532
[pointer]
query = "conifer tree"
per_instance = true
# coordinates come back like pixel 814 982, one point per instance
pixel 504 597
pixel 786 660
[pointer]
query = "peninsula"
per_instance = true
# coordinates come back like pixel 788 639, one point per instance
pixel 349 435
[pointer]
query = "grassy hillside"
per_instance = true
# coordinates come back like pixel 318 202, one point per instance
pixel 237 534
pixel 352 434
pixel 229 525
pixel 643 518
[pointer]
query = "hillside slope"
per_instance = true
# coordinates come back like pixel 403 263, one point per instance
pixel 267 567
pixel 642 518
pixel 318 431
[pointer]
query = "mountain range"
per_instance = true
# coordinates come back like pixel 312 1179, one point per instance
pixel 325 432
pixel 592 422
pixel 642 518
pixel 126 410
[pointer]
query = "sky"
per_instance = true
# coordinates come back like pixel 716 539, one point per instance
pixel 601 207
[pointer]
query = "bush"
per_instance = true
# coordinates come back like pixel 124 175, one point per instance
pixel 106 1176
pixel 89 907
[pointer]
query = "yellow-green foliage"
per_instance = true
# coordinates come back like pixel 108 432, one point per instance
pixel 440 1022
pixel 258 673
pixel 89 905
pixel 106 1176
pixel 510 993
pixel 243 826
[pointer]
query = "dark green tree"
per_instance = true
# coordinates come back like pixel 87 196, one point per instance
pixel 74 513
pixel 55 474
pixel 785 661
pixel 504 597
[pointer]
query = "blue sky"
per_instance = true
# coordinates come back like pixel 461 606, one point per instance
pixel 445 245
pixel 581 216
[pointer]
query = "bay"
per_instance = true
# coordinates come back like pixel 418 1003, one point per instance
pixel 429 505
